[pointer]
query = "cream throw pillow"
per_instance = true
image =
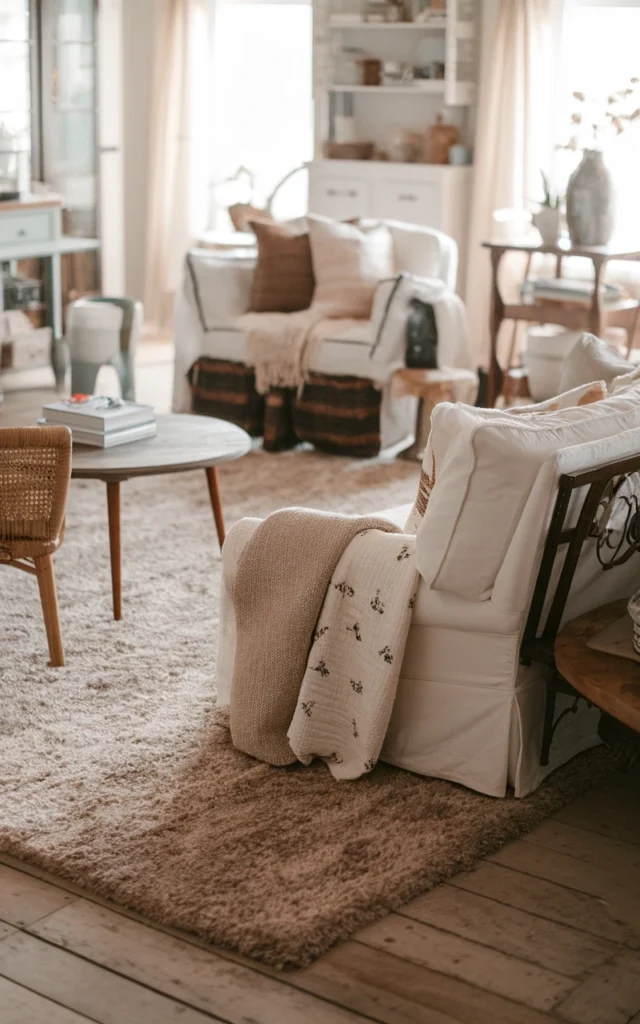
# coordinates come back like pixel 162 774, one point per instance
pixel 592 359
pixel 585 395
pixel 348 263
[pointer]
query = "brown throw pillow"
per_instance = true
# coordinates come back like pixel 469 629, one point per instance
pixel 283 280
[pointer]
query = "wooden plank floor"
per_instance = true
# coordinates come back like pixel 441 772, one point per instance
pixel 547 929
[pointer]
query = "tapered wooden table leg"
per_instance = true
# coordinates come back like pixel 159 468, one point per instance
pixel 216 504
pixel 113 509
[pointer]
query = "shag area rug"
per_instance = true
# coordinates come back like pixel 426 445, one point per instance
pixel 117 772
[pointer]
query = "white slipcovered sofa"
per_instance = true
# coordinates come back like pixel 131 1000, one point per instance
pixel 216 290
pixel 466 708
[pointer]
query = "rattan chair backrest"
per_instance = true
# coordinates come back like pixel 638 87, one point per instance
pixel 35 467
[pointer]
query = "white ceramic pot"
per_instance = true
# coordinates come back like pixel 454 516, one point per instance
pixel 547 347
pixel 547 221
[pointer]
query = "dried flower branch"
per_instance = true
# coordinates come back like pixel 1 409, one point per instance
pixel 599 119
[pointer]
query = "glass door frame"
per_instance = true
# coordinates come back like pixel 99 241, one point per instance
pixel 46 15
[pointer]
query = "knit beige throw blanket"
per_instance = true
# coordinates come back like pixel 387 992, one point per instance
pixel 279 346
pixel 278 592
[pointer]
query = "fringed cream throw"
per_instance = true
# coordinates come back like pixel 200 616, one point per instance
pixel 280 346
pixel 323 606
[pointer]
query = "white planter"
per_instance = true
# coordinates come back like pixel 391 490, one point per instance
pixel 547 221
pixel 546 349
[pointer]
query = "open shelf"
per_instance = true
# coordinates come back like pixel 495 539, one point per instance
pixel 463 29
pixel 390 26
pixel 429 87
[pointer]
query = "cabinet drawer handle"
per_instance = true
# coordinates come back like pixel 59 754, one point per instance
pixel 350 193
pixel 406 197
pixel 22 233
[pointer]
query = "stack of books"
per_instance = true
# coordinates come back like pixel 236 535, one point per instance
pixel 565 291
pixel 100 421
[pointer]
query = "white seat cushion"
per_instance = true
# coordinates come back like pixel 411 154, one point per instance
pixel 344 352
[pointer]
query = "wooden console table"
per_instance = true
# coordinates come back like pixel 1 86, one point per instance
pixel 609 681
pixel 592 318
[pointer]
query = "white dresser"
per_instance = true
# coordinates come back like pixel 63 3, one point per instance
pixel 436 196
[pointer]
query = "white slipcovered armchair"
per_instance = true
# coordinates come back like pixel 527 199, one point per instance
pixel 216 290
pixel 472 703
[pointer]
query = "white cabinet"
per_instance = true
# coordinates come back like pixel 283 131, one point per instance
pixel 434 196
pixel 339 197
pixel 414 201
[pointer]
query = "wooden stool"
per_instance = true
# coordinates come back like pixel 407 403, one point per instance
pixel 431 387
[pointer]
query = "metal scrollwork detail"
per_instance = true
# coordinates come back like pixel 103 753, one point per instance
pixel 616 524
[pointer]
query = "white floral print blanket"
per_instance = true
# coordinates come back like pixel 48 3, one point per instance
pixel 352 672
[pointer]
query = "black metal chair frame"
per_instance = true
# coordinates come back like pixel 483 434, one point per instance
pixel 604 493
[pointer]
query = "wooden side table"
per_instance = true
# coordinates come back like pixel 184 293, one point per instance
pixel 594 318
pixel 431 387
pixel 609 681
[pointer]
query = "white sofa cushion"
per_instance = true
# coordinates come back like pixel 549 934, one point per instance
pixel 591 359
pixel 625 380
pixel 220 286
pixel 584 395
pixel 416 252
pixel 486 463
pixel 348 263
pixel 343 352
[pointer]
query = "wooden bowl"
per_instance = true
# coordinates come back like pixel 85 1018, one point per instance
pixel 349 150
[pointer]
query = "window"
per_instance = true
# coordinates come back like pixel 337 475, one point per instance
pixel 15 93
pixel 600 55
pixel 262 117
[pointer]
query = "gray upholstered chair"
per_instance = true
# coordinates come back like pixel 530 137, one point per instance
pixel 103 330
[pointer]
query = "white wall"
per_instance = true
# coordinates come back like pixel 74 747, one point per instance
pixel 140 19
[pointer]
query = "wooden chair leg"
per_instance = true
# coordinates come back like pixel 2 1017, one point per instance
pixel 49 601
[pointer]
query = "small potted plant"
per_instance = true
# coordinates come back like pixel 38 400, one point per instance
pixel 547 218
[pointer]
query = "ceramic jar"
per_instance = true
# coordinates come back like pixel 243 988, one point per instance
pixel 590 201
pixel 438 141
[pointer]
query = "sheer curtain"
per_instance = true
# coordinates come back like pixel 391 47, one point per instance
pixel 178 127
pixel 512 137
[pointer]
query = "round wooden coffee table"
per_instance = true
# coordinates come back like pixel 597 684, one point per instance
pixel 609 681
pixel 183 442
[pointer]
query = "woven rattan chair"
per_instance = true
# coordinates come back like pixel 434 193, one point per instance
pixel 35 466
